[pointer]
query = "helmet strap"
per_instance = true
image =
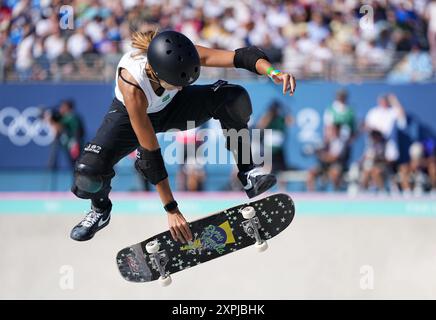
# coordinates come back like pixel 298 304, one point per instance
pixel 151 75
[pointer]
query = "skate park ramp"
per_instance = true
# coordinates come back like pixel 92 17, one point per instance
pixel 336 248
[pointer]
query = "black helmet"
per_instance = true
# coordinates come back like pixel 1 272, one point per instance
pixel 174 58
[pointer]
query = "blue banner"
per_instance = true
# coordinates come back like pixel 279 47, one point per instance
pixel 25 141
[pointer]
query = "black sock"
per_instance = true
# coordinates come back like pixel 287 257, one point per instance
pixel 245 167
pixel 243 161
pixel 101 204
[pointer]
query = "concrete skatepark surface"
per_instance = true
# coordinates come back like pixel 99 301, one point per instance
pixel 317 257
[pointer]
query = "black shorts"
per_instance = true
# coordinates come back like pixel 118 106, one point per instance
pixel 194 103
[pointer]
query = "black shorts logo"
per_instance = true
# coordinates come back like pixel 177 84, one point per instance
pixel 92 148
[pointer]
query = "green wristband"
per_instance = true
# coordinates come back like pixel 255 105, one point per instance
pixel 268 71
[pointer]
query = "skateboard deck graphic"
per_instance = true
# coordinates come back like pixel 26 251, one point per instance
pixel 213 236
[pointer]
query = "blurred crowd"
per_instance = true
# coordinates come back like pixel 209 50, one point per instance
pixel 334 39
pixel 381 167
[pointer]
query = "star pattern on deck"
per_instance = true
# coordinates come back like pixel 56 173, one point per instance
pixel 272 212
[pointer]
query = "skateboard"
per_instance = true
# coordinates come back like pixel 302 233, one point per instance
pixel 230 230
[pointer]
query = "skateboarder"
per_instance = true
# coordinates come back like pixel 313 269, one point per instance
pixel 153 94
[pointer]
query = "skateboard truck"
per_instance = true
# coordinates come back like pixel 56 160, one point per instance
pixel 251 227
pixel 159 260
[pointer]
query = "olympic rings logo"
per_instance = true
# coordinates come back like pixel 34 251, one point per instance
pixel 23 127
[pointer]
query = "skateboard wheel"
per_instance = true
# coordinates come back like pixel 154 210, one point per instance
pixel 164 282
pixel 261 247
pixel 248 212
pixel 152 247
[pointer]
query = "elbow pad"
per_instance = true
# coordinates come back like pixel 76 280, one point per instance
pixel 150 165
pixel 247 57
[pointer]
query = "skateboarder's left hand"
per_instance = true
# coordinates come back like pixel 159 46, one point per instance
pixel 179 227
pixel 284 78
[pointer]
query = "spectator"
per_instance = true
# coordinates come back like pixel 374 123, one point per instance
pixel 72 130
pixel 69 132
pixel 340 113
pixel 385 118
pixel 277 120
pixel 431 17
pixel 316 28
pixel 305 44
pixel 5 14
pixel 54 44
pixel 44 27
pixel 331 159
pixel 77 44
pixel 192 175
pixel 419 174
pixel 24 61
pixel 416 66
pixel 64 64
pixel 95 29
pixel 2 55
pixel 273 52
pixel 321 59
pixel 374 164
pixel 293 61
pixel 371 56
pixel 414 175
pixel 195 176
pixel 430 156
pixel 41 64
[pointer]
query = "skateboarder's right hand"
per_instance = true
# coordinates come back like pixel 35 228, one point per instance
pixel 179 227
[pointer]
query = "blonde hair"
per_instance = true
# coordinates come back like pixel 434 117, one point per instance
pixel 141 41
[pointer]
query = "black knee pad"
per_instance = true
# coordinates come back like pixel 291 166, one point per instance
pixel 90 178
pixel 236 112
